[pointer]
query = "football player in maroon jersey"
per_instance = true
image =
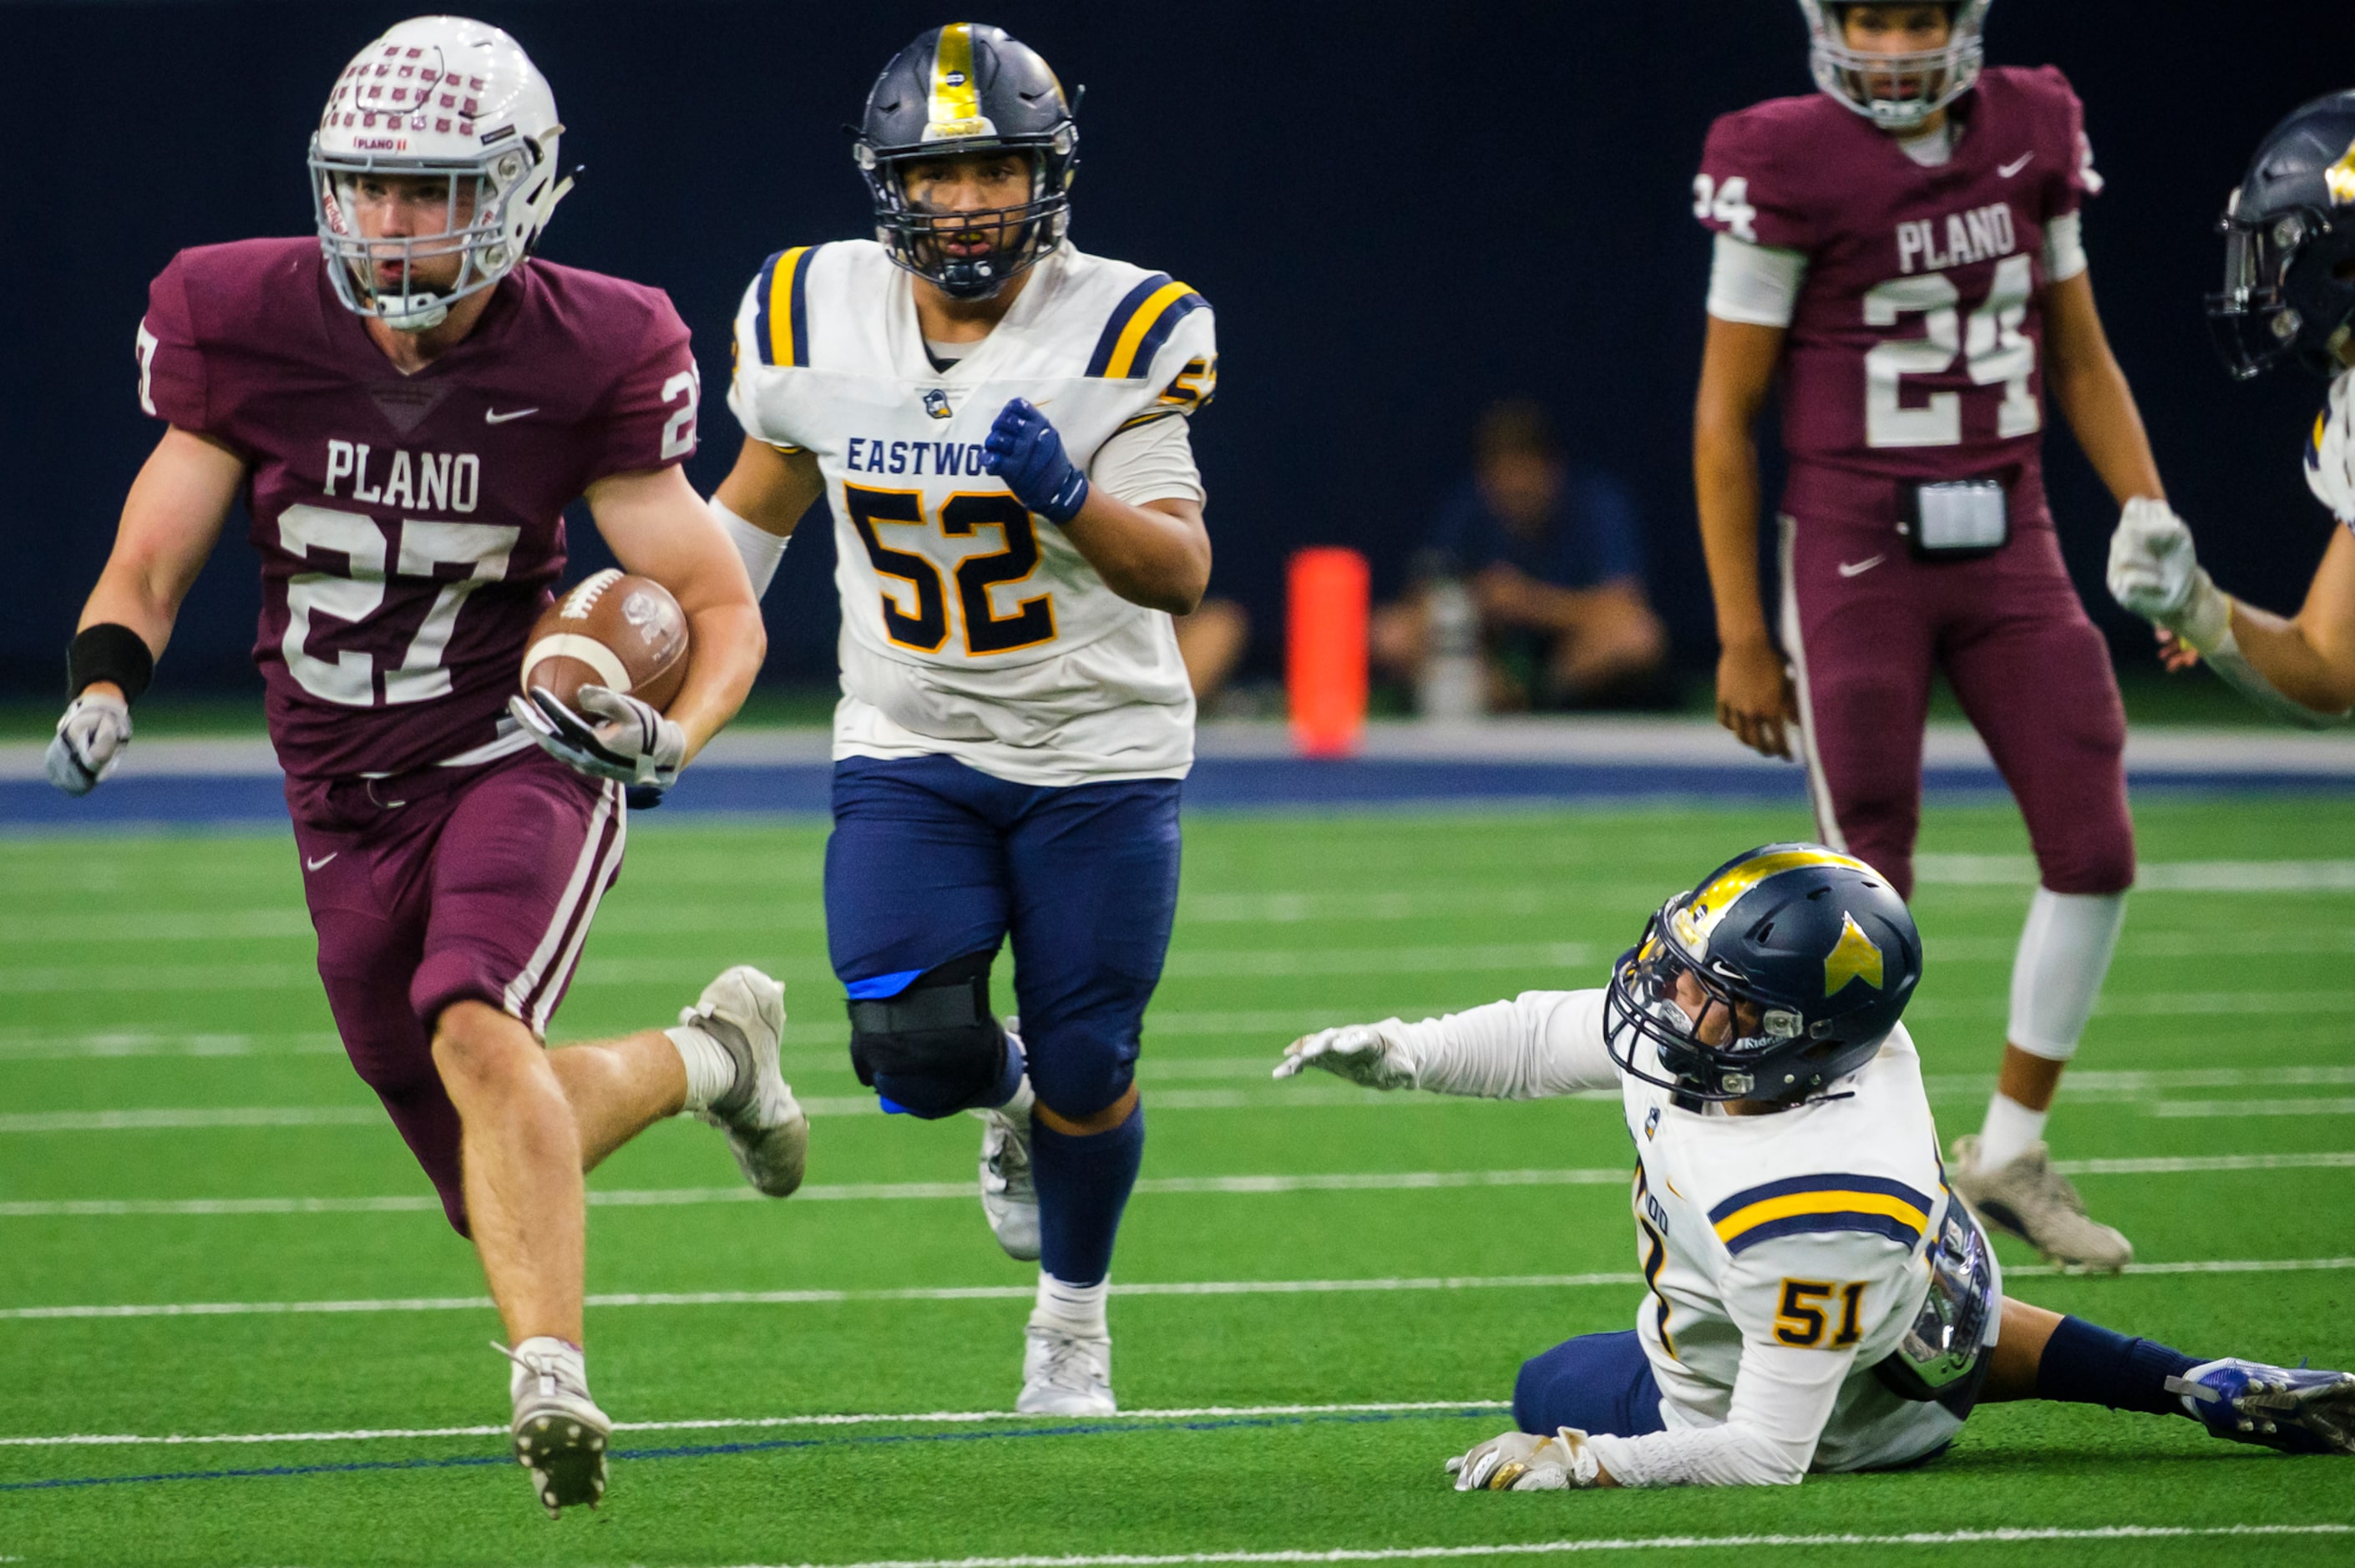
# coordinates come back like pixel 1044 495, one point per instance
pixel 1902 249
pixel 406 403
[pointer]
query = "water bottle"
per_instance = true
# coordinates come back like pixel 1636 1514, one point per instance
pixel 1452 683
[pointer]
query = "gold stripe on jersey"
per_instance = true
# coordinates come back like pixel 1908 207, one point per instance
pixel 781 330
pixel 1123 361
pixel 1827 1202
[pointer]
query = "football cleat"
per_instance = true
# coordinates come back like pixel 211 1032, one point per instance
pixel 1065 1373
pixel 2295 1409
pixel 1009 1199
pixel 2029 1200
pixel 743 1011
pixel 559 1434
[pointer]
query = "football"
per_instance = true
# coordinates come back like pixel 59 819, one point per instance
pixel 612 629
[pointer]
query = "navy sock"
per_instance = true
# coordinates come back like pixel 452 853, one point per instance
pixel 1083 1184
pixel 2086 1363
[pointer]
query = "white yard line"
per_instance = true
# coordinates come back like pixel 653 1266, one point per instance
pixel 2151 876
pixel 1025 1292
pixel 961 1192
pixel 184 1117
pixel 751 1423
pixel 2173 1108
pixel 2006 1537
pixel 1252 1091
pixel 1286 907
pixel 2159 1004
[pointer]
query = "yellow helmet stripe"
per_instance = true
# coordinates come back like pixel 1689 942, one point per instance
pixel 957 97
pixel 1699 918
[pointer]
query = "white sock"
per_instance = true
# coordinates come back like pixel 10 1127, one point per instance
pixel 571 1362
pixel 710 1070
pixel 1074 1308
pixel 2065 953
pixel 2011 1127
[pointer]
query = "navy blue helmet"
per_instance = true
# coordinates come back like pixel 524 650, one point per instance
pixel 2289 247
pixel 968 88
pixel 1805 958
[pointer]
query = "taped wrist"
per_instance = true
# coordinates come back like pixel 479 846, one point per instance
pixel 109 651
pixel 758 549
pixel 2206 621
pixel 936 1041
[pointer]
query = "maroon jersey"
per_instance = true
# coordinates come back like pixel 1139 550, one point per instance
pixel 1916 349
pixel 409 526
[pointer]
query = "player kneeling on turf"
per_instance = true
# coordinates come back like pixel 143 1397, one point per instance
pixel 1820 1299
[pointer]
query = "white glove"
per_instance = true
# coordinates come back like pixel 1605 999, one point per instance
pixel 88 743
pixel 1361 1053
pixel 612 736
pixel 1525 1462
pixel 2154 573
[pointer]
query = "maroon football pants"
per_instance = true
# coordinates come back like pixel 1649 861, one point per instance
pixel 1865 624
pixel 449 885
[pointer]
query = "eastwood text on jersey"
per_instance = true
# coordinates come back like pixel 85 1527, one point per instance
pixel 1974 236
pixel 872 454
pixel 441 481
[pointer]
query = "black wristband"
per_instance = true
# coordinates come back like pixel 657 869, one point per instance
pixel 109 651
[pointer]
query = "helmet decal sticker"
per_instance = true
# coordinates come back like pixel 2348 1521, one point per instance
pixel 1852 958
pixel 2340 178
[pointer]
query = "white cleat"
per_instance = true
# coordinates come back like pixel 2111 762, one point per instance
pixel 1065 1373
pixel 559 1434
pixel 1009 1199
pixel 2029 1200
pixel 743 1011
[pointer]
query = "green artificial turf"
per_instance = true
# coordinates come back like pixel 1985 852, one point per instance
pixel 173 973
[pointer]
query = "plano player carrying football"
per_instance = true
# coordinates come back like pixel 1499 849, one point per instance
pixel 406 403
pixel 1903 248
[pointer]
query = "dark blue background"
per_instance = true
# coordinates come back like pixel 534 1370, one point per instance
pixel 1398 213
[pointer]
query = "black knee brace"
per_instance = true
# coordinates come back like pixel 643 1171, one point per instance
pixel 938 1035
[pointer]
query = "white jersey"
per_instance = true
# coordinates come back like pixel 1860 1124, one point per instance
pixel 2330 454
pixel 971 628
pixel 1784 1253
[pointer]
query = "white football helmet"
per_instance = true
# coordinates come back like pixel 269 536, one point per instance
pixel 436 98
pixel 1895 92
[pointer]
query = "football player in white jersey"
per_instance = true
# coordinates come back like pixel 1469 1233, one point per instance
pixel 2289 293
pixel 1818 1298
pixel 999 423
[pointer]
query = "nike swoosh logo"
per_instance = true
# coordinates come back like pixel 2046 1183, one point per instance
pixel 310 864
pixel 2007 170
pixel 493 417
pixel 1858 569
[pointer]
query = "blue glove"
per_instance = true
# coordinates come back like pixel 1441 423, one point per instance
pixel 1024 451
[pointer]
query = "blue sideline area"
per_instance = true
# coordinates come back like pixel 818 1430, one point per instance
pixel 234 783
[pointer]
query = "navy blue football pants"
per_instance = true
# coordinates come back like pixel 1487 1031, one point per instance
pixel 1597 1382
pixel 932 859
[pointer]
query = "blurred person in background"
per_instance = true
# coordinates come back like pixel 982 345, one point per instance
pixel 1212 641
pixel 1550 557
pixel 1901 250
